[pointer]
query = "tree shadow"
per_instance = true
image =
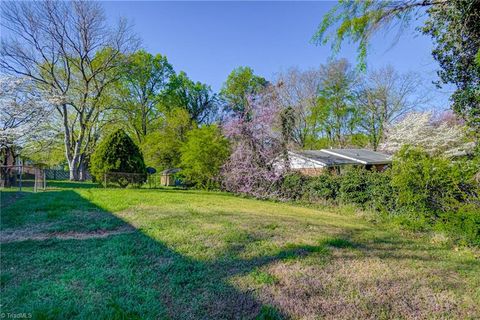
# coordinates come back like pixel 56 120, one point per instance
pixel 134 275
pixel 125 276
pixel 8 197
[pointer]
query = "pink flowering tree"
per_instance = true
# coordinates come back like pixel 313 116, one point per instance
pixel 257 147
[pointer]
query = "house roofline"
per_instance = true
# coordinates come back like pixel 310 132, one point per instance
pixel 344 156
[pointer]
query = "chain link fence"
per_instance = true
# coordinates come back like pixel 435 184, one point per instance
pixel 59 174
pixel 124 179
pixel 22 178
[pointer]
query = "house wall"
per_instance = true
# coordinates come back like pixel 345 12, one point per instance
pixel 313 168
pixel 297 163
pixel 311 172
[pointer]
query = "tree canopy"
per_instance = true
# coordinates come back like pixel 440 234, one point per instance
pixel 241 84
pixel 203 155
pixel 142 86
pixel 453 26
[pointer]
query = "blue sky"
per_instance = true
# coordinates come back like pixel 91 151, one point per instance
pixel 208 40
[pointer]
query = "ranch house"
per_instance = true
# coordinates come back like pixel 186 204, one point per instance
pixel 314 162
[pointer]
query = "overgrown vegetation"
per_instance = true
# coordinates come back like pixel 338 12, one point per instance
pixel 420 191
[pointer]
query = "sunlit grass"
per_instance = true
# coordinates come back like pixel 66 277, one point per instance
pixel 211 255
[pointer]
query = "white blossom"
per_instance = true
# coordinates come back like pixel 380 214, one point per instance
pixel 420 129
pixel 22 111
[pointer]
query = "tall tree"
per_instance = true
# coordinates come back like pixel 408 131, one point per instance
pixel 298 92
pixel 203 155
pixel 455 31
pixel 384 96
pixel 256 145
pixel 195 97
pixel 335 107
pixel 453 26
pixel 161 147
pixel 143 84
pixel 68 49
pixel 240 86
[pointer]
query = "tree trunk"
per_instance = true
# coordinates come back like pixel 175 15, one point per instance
pixel 73 153
pixel 82 172
pixel 73 168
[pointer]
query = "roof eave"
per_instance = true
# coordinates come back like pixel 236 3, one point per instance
pixel 308 159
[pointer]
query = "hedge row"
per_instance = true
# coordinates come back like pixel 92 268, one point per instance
pixel 419 191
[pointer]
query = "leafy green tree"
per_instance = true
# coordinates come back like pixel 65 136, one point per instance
pixel 455 31
pixel 453 26
pixel 203 155
pixel 195 97
pixel 118 153
pixel 162 146
pixel 358 21
pixel 142 86
pixel 240 85
pixel 335 107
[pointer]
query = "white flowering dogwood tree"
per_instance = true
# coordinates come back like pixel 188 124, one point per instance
pixel 436 135
pixel 23 111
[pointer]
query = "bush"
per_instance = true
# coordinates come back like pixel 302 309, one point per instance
pixel 428 185
pixel 420 192
pixel 118 153
pixel 354 186
pixel 462 225
pixel 203 155
pixel 382 195
pixel 438 192
pixel 293 186
pixel 323 187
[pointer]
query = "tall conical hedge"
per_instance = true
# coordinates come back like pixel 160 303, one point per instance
pixel 118 153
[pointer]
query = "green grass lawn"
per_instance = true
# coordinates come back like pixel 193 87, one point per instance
pixel 171 254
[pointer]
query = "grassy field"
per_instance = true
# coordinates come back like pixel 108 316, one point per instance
pixel 171 254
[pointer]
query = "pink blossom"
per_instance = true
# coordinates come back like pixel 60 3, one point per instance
pixel 256 143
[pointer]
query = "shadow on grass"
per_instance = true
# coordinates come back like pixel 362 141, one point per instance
pixel 8 197
pixel 124 276
pixel 133 275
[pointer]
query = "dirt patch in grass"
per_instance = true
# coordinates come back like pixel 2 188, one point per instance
pixel 17 235
pixel 365 287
